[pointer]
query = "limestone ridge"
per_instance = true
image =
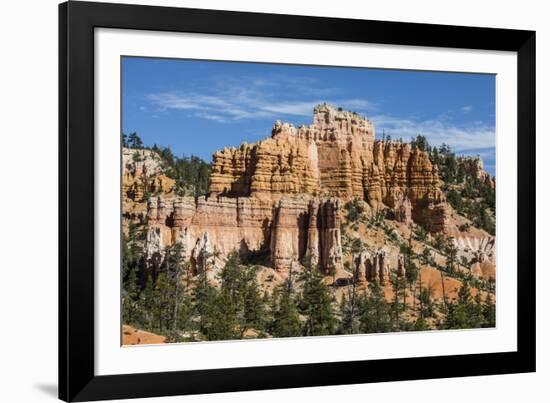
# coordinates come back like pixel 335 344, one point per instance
pixel 281 196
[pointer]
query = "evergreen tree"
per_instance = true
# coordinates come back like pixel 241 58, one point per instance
pixel 398 304
pixel 254 314
pixel 147 303
pixel 349 309
pixel 286 320
pixel 204 298
pixel 240 282
pixel 316 303
pixel 130 294
pixel 134 141
pixel 220 320
pixel 179 299
pixel 132 263
pixel 161 297
pixel 465 313
pixel 420 324
pixel 420 142
pixel 426 302
pixel 451 252
pixel 374 314
pixel 489 312
pixel 411 269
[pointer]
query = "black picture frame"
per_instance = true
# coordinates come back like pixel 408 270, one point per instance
pixel 77 21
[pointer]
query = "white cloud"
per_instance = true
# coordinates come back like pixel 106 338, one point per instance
pixel 460 137
pixel 244 105
pixel 237 98
pixel 230 99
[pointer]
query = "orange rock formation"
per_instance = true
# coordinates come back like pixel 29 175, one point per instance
pixel 281 197
pixel 335 156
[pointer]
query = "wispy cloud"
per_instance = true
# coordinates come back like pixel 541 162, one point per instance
pixel 233 99
pixel 485 153
pixel 464 137
pixel 240 107
pixel 252 98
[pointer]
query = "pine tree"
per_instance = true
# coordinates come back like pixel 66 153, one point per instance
pixel 349 309
pixel 254 314
pixel 411 269
pixel 464 294
pixel 316 303
pixel 134 141
pixel 398 304
pixel 476 311
pixel 426 302
pixel 451 252
pixel 240 282
pixel 420 142
pixel 132 264
pixel 420 324
pixel 204 298
pixel 179 301
pixel 162 293
pixel 147 303
pixel 220 321
pixel 489 312
pixel 130 294
pixel 286 320
pixel 466 313
pixel 374 313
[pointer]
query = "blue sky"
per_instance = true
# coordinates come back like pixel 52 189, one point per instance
pixel 198 107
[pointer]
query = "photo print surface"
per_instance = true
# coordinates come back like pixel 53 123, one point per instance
pixel 270 200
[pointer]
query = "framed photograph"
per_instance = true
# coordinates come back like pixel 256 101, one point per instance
pixel 257 201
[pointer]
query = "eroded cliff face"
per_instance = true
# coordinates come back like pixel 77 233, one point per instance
pixel 280 199
pixel 211 228
pixel 474 167
pixel 335 156
pixel 142 175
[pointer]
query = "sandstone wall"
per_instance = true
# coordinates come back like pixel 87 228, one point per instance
pixel 335 156
pixel 284 229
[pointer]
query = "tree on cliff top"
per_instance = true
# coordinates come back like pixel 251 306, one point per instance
pixel 190 173
pixel 420 142
pixel 132 141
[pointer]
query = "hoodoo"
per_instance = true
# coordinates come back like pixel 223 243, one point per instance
pixel 282 196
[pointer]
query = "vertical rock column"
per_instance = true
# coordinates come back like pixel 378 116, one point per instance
pixel 313 233
pixel 289 233
pixel 330 253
